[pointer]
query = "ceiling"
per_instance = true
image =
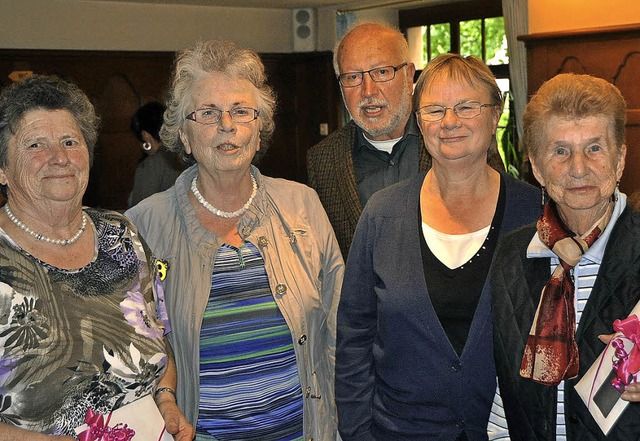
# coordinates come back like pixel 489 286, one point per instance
pixel 291 4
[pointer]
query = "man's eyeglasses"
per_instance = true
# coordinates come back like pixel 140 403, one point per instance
pixel 209 115
pixel 467 110
pixel 379 75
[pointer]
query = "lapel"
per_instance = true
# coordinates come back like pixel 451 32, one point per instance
pixel 621 258
pixel 345 171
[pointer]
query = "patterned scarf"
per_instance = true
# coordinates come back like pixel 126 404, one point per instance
pixel 551 352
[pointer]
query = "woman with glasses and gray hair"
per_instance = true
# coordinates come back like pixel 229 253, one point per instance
pixel 253 269
pixel 414 356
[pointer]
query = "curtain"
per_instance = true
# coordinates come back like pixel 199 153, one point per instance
pixel 516 23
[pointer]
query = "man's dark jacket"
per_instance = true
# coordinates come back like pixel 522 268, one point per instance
pixel 516 287
pixel 332 174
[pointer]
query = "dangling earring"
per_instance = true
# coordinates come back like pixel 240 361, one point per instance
pixel 543 194
pixel 614 196
pixel 146 146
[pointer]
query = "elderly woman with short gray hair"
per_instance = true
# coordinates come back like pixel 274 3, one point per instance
pixel 254 269
pixel 559 284
pixel 81 315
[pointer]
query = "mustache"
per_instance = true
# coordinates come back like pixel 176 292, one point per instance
pixel 371 102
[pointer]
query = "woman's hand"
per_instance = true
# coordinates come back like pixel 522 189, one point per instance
pixel 175 421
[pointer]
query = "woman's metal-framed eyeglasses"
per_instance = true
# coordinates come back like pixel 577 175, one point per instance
pixel 380 74
pixel 467 110
pixel 210 115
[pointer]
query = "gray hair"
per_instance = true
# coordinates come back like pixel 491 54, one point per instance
pixel 45 92
pixel 403 45
pixel 204 58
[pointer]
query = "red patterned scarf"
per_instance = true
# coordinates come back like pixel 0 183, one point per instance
pixel 551 353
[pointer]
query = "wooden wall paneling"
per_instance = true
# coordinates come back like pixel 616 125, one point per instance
pixel 611 53
pixel 118 151
pixel 308 95
pixel 117 83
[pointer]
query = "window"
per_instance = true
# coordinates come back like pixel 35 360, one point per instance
pixel 469 28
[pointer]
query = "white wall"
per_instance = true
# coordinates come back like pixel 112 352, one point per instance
pixel 105 25
pixel 554 15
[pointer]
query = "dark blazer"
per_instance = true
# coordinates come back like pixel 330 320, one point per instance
pixel 332 175
pixel 516 287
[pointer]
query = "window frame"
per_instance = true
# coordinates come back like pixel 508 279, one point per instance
pixel 454 13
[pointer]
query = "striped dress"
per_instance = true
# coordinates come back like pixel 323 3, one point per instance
pixel 249 384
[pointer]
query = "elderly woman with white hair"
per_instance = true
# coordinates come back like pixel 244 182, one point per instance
pixel 254 270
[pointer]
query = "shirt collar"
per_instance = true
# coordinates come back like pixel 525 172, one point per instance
pixel 410 129
pixel 595 253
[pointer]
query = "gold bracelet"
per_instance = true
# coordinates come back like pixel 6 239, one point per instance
pixel 164 389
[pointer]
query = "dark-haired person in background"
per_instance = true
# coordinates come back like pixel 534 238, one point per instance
pixel 159 167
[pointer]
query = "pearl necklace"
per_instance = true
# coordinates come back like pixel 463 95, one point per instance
pixel 42 237
pixel 220 213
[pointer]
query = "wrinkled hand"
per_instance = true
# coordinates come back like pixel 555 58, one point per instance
pixel 177 424
pixel 631 390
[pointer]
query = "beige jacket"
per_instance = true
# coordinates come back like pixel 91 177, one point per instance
pixel 290 228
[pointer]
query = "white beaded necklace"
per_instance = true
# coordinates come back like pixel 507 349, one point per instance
pixel 220 213
pixel 42 237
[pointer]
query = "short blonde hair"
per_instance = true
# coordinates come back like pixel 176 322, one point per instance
pixel 573 96
pixel 469 69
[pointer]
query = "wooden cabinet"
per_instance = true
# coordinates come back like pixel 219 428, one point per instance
pixel 611 53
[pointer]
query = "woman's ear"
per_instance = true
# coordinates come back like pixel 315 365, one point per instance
pixel 621 161
pixel 185 141
pixel 147 137
pixel 536 171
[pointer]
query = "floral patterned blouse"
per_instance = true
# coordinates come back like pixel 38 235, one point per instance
pixel 77 339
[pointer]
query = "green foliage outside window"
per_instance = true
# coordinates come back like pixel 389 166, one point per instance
pixel 495 41
pixel 440 39
pixel 471 38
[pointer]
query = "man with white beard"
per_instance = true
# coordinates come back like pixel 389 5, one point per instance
pixel 381 145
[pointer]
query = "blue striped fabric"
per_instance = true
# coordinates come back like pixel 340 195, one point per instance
pixel 249 385
pixel 584 274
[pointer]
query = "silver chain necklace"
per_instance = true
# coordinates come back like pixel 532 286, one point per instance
pixel 42 237
pixel 220 213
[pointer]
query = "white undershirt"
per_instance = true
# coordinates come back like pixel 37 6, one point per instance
pixel 454 250
pixel 385 146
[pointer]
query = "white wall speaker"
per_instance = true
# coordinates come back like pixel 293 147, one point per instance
pixel 304 30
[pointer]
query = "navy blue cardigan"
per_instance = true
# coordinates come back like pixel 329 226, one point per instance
pixel 397 375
